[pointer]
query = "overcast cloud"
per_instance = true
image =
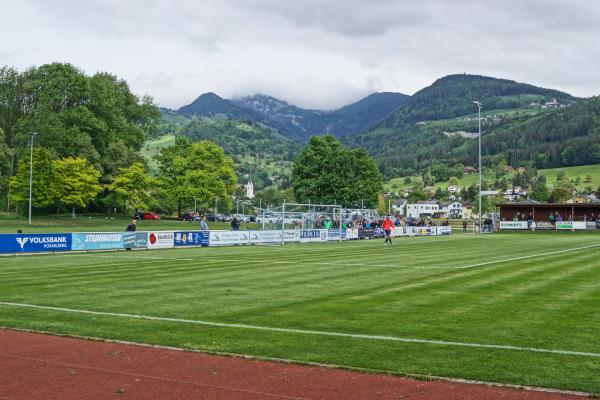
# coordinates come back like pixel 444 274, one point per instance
pixel 317 54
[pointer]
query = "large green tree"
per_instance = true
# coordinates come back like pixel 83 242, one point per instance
pixel 539 192
pixel 42 178
pixel 324 171
pixel 96 117
pixel 198 172
pixel 74 183
pixel 131 188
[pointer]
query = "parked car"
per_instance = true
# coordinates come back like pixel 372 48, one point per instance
pixel 215 218
pixel 188 216
pixel 146 216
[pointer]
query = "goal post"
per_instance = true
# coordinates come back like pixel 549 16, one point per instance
pixel 305 216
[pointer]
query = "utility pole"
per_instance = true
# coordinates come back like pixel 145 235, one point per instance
pixel 479 105
pixel 31 174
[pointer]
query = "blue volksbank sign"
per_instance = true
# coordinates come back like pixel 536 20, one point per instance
pixel 35 242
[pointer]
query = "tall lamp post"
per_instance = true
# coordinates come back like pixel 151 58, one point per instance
pixel 479 105
pixel 30 173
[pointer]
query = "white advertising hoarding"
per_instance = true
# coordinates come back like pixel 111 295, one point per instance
pixel 160 240
pixel 513 225
pixel 220 238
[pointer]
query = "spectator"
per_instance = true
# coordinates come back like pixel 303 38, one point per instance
pixel 235 224
pixel 131 228
pixel 203 224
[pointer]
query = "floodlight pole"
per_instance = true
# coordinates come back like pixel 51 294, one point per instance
pixel 31 174
pixel 478 104
pixel 283 224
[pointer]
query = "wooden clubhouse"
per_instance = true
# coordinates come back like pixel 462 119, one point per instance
pixel 522 210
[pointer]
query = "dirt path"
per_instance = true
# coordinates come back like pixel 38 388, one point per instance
pixel 37 366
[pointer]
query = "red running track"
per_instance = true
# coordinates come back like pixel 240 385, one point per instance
pixel 37 366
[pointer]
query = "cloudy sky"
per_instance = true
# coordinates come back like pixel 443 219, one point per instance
pixel 318 54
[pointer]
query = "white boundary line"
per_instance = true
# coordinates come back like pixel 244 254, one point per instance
pixel 530 256
pixel 307 332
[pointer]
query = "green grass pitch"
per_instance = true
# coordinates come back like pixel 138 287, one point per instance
pixel 518 290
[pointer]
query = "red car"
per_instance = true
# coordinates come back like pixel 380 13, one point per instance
pixel 147 216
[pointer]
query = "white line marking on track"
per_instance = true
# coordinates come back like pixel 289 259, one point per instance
pixel 307 331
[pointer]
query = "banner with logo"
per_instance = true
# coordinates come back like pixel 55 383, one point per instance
pixel 191 238
pixel 513 225
pixel 35 242
pixel 97 241
pixel 135 240
pixel 313 235
pixel 220 238
pixel 575 225
pixel 444 230
pixel 271 236
pixel 542 225
pixel 352 233
pixel 160 240
pixel 334 234
pixel 398 231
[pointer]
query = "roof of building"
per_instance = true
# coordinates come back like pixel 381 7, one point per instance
pixel 537 203
pixel 445 203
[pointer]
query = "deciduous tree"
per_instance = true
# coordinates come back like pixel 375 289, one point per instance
pixel 74 183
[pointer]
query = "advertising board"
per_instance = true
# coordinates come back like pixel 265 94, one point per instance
pixel 542 226
pixel 190 238
pixel 398 231
pixel 135 240
pixel 160 240
pixel 35 242
pixel 313 235
pixel 575 225
pixel 334 234
pixel 97 241
pixel 266 236
pixel 508 225
pixel 220 238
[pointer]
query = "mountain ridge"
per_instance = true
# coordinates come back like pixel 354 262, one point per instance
pixel 295 122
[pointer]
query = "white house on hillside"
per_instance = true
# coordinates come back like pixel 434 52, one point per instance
pixel 398 207
pixel 422 209
pixel 451 209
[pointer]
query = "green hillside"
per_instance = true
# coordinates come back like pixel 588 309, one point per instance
pixel 526 132
pixel 452 96
pixel 257 150
pixel 575 174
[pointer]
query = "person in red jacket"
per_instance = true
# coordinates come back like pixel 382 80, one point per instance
pixel 387 226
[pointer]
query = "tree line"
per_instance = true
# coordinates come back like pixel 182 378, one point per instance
pixel 88 132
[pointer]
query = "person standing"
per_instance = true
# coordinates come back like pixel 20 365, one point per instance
pixel 203 223
pixel 387 226
pixel 131 228
pixel 235 224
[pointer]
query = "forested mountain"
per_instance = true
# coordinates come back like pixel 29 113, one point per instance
pixel 256 149
pixel 452 96
pixel 210 105
pixel 294 122
pixel 353 118
pixel 438 125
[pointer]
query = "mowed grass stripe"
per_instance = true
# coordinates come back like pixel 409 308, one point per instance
pixel 308 332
